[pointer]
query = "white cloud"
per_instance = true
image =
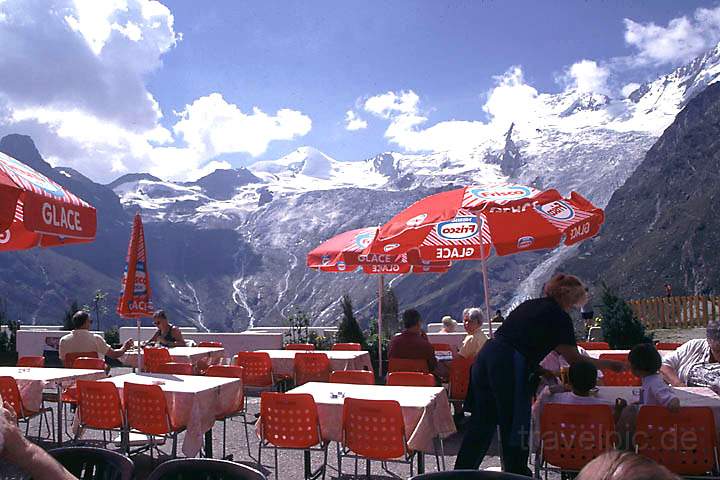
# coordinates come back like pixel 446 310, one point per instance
pixel 586 76
pixel 679 41
pixel 212 125
pixel 510 101
pixel 628 89
pixel 86 103
pixel 353 122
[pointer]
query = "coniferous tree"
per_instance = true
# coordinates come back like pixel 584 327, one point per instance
pixel 67 320
pixel 620 327
pixel 349 330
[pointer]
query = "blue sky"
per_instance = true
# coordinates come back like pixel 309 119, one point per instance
pixel 206 65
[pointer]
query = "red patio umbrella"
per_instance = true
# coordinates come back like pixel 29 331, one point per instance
pixel 512 218
pixel 344 253
pixel 35 211
pixel 134 299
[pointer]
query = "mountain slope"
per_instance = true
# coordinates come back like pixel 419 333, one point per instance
pixel 662 224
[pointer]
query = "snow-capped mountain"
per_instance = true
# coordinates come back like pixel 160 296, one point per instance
pixel 254 225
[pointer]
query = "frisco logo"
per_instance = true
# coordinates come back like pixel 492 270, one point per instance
pixel 4 237
pixel 458 228
pixel 362 240
pixel 341 266
pixel 416 221
pixel 525 242
pixel 558 210
pixel 390 247
pixel 501 193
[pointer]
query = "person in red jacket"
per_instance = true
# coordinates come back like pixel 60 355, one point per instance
pixel 412 342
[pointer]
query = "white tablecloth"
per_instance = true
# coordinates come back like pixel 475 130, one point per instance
pixel 597 353
pixel 32 381
pixel 193 401
pixel 426 410
pixel 283 360
pixel 181 354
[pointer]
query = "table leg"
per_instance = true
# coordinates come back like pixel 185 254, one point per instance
pixel 209 444
pixel 59 415
pixel 306 462
pixel 420 462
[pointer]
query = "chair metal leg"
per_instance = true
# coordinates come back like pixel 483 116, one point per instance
pixel 367 468
pixel 174 447
pixel 247 435
pixel 259 455
pixel 339 460
pixel 224 436
pixel 356 467
pixel 276 463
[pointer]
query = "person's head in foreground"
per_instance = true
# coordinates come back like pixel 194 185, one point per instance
pixel 583 378
pixel 81 320
pixel 411 320
pixel 712 334
pixel 624 465
pixel 567 290
pixel 644 360
pixel 449 324
pixel 472 319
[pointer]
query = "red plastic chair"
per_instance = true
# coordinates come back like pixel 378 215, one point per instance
pixel 89 363
pixel 290 421
pixel 619 379
pixel 374 430
pixel 442 347
pixel 31 361
pixel 153 357
pixel 99 407
pixel 175 368
pixel 410 379
pixel 10 394
pixel 408 365
pixel 460 378
pixel 210 344
pixel 685 442
pixel 300 346
pixel 573 435
pixel 147 412
pixel 594 345
pixel 668 345
pixel 349 347
pixel 311 367
pixel 355 377
pixel 71 357
pixel 257 369
pixel 239 408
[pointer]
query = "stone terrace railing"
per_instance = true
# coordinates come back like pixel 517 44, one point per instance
pixel 677 312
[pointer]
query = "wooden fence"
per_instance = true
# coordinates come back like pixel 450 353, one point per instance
pixel 677 312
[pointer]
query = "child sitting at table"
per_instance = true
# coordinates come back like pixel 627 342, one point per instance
pixel 645 362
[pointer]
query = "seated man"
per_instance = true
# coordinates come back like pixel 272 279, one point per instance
pixel 412 342
pixel 81 340
pixel 476 338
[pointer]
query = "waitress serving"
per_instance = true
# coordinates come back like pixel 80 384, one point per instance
pixel 500 393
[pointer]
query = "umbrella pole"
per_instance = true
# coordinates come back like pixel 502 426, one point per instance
pixel 483 262
pixel 140 352
pixel 381 288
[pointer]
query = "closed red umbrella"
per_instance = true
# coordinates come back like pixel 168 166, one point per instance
pixel 35 211
pixel 466 223
pixel 134 299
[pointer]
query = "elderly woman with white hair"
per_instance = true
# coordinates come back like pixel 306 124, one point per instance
pixel 449 324
pixel 476 338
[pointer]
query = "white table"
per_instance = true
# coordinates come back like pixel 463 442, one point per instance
pixel 283 360
pixel 193 401
pixel 33 380
pixel 454 339
pixel 180 354
pixel 597 353
pixel 426 410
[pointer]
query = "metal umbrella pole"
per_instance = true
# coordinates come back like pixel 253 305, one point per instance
pixel 483 262
pixel 381 291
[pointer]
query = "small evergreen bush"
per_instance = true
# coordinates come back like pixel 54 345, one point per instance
pixel 620 327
